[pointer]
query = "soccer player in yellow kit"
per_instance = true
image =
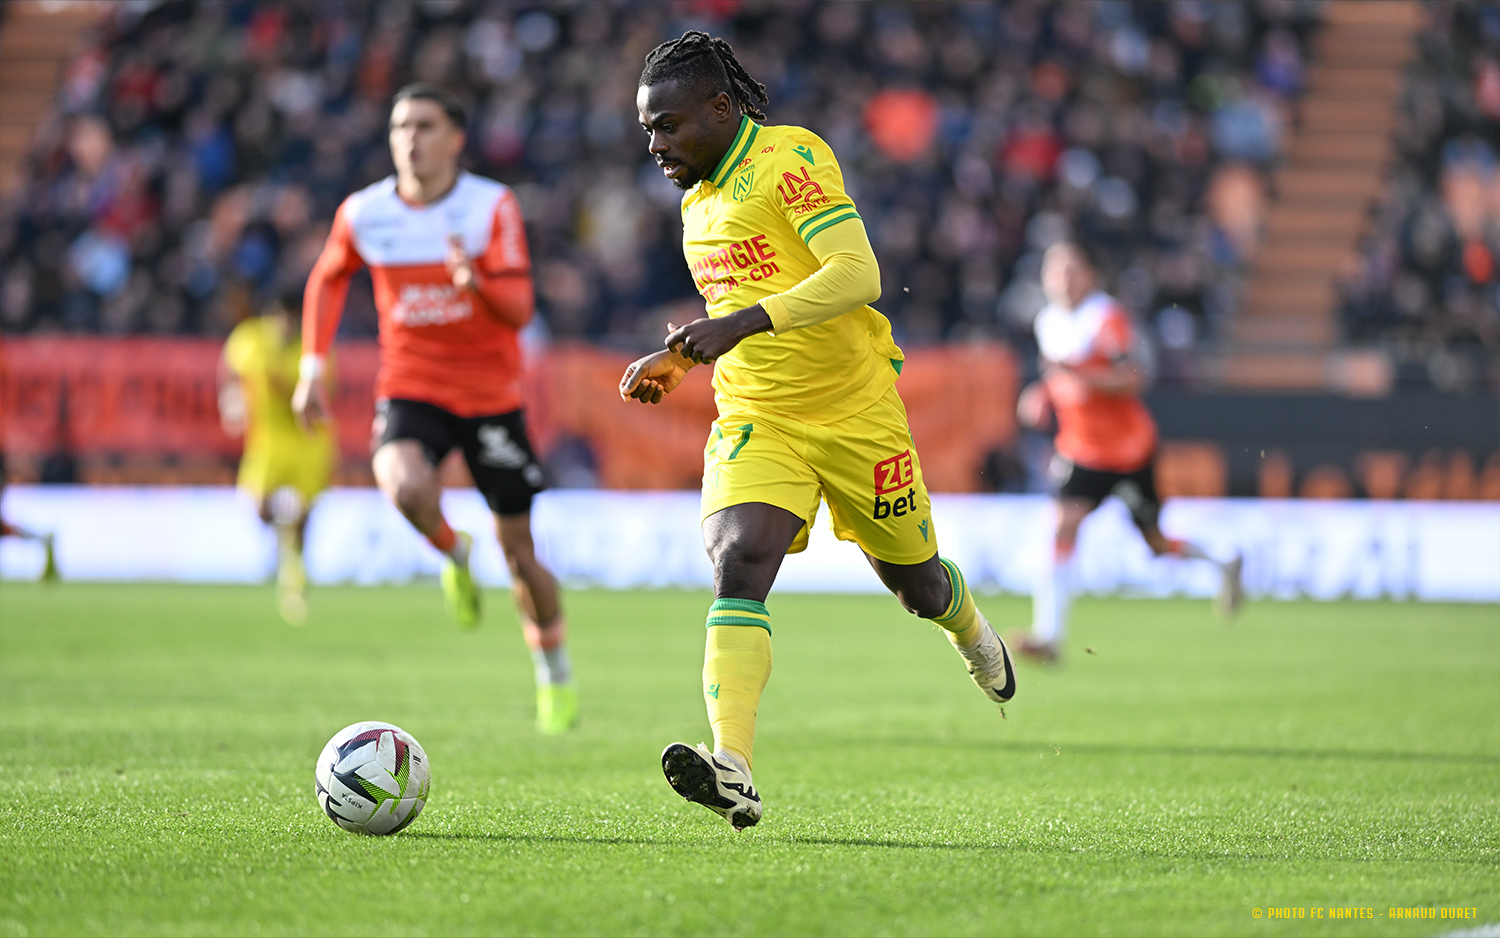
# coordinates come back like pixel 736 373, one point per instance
pixel 804 378
pixel 284 467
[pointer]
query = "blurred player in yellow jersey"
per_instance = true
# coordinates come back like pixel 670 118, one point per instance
pixel 284 467
pixel 804 378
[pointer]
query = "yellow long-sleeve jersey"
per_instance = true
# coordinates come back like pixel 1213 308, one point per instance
pixel 773 225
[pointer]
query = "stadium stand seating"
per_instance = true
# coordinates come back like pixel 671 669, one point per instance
pixel 1341 144
pixel 198 151
pixel 1423 287
pixel 1289 194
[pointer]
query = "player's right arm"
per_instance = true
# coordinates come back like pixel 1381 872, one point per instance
pixel 1034 405
pixel 232 415
pixel 322 306
pixel 847 278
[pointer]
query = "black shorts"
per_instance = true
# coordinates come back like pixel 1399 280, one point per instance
pixel 1136 489
pixel 495 448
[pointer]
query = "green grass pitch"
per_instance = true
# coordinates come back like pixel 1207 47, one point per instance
pixel 159 745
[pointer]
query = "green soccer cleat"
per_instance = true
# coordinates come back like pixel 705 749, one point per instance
pixel 460 594
pixel 556 708
pixel 49 559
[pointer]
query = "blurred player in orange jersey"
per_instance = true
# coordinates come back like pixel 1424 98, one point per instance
pixel 49 553
pixel 45 540
pixel 447 254
pixel 1106 440
pixel 285 466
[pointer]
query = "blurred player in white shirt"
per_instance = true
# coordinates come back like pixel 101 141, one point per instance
pixel 1106 440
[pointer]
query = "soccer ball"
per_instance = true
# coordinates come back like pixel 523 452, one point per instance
pixel 372 778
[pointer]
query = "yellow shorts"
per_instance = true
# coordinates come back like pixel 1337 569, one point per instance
pixel 865 467
pixel 296 460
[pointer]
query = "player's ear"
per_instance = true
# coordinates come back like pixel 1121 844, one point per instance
pixel 723 107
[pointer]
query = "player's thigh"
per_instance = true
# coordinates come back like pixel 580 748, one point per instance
pixel 403 470
pixel 872 481
pixel 1138 491
pixel 499 455
pixel 410 440
pixel 434 430
pixel 1068 514
pixel 1077 490
pixel 255 477
pixel 755 458
pixel 301 462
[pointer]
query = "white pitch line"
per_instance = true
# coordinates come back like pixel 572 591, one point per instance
pixel 1492 930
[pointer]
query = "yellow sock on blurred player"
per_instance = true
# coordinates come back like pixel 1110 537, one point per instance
pixel 736 666
pixel 961 618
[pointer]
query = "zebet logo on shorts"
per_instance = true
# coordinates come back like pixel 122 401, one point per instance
pixel 893 475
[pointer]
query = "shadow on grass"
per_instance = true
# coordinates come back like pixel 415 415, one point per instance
pixel 1242 752
pixel 825 841
pixel 583 839
pixel 501 837
pixel 1125 851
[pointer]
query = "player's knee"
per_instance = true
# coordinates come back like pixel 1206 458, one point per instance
pixel 410 497
pixel 926 601
pixel 743 568
pixel 923 592
pixel 516 543
pixel 520 559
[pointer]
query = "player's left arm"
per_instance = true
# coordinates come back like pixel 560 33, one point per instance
pixel 1122 376
pixel 1124 373
pixel 811 195
pixel 500 278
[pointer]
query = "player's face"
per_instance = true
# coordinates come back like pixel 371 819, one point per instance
pixel 1066 277
pixel 689 133
pixel 424 142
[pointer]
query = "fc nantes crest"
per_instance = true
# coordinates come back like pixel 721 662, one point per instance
pixel 742 184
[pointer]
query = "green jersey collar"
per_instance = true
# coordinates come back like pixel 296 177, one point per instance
pixel 744 139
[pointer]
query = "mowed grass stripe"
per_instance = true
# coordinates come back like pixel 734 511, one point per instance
pixel 160 743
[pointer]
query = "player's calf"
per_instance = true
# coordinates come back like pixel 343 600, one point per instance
pixel 988 660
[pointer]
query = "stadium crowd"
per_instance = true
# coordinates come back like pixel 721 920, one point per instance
pixel 200 150
pixel 1425 283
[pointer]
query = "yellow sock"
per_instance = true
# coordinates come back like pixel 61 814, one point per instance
pixel 961 618
pixel 736 666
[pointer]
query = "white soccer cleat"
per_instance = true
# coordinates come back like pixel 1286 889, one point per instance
pixel 1231 588
pixel 714 781
pixel 990 665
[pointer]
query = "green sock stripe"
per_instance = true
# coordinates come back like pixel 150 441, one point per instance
pixel 960 590
pixel 738 612
pixel 738 605
pixel 738 620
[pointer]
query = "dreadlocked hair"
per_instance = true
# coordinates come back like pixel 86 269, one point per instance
pixel 705 63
